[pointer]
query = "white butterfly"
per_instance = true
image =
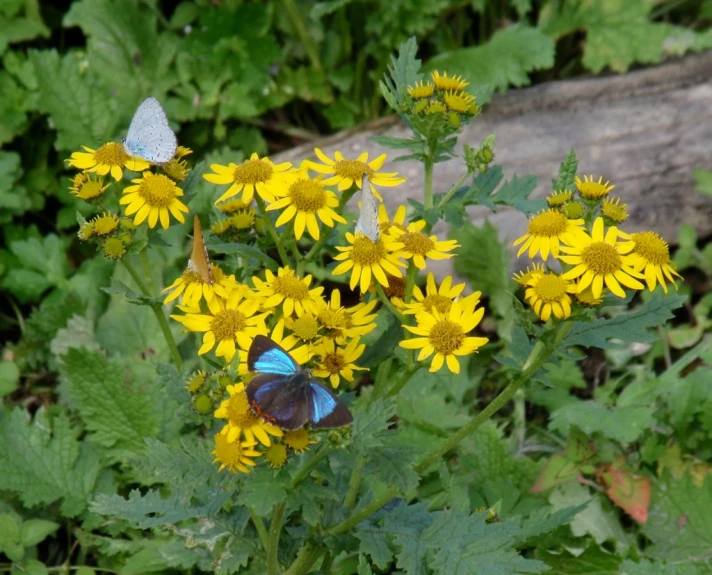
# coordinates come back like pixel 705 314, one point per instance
pixel 150 137
pixel 367 223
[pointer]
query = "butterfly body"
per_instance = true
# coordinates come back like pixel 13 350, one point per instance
pixel 199 261
pixel 285 394
pixel 149 136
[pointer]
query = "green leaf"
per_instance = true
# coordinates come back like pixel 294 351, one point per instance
pixel 9 377
pixel 261 491
pixel 703 181
pixel 31 567
pixel 34 531
pixel 13 197
pixel 117 400
pixel 243 251
pixel 132 296
pixel 505 60
pixel 645 567
pixel 13 106
pixel 625 424
pixel 567 173
pixel 593 561
pixel 631 326
pixel 515 193
pixel 21 25
pixel 10 524
pixel 373 544
pixel 403 71
pixel 44 265
pixel 82 111
pixel 44 466
pixel 680 518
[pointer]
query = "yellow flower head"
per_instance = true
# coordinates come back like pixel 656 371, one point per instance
pixel 546 231
pixel 243 219
pixel 104 224
pixel 114 248
pixel 306 201
pixel 586 298
pixel 298 440
pixel 256 174
pixel 345 173
pixel 232 206
pixel 154 196
pixel 445 334
pixel 386 223
pixel 342 323
pixel 177 168
pixel 614 211
pixel 591 189
pixel 366 258
pixel 523 277
pixel 276 455
pixel 549 292
pixel 86 230
pixel 439 299
pixel 558 199
pixel 418 246
pixel 287 289
pixel 601 258
pixel 242 420
pixel 111 157
pixel 192 286
pixel 88 186
pixel 196 381
pixel 229 323
pixel 235 456
pixel 448 83
pixel 421 90
pixel 460 102
pixel 651 256
pixel 436 108
pixel 335 362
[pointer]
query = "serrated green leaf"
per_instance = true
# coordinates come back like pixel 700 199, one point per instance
pixel 373 544
pixel 44 467
pixel 645 567
pixel 403 71
pixel 9 377
pixel 567 173
pixel 506 60
pixel 515 193
pixel 625 424
pixel 34 531
pixel 632 326
pixel 114 398
pixel 261 491
pixel 10 525
pixel 593 561
pixel 241 250
pixel 43 265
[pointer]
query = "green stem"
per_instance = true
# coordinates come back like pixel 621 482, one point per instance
pixel 275 530
pixel 428 184
pixel 146 266
pixel 363 513
pixel 306 558
pixel 295 18
pixel 453 190
pixel 674 371
pixel 157 309
pixel 260 526
pixel 272 230
pixel 410 281
pixel 405 378
pixel 305 469
pixel 384 299
pixel 354 484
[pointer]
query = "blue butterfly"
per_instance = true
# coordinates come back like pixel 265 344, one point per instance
pixel 286 395
pixel 149 136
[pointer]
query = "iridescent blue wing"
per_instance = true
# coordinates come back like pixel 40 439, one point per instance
pixel 325 409
pixel 267 357
pixel 280 399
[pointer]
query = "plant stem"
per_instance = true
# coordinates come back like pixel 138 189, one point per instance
pixel 313 461
pixel 146 266
pixel 260 526
pixel 306 557
pixel 354 484
pixel 157 309
pixel 384 299
pixel 428 183
pixel 405 378
pixel 275 529
pixel 410 281
pixel 453 190
pixel 363 513
pixel 272 231
pixel 295 18
pixel 691 356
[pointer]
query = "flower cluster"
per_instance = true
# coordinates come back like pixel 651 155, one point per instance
pixel 443 95
pixel 582 235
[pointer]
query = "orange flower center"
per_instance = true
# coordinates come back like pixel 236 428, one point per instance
pixel 601 258
pixel 417 243
pixel 252 172
pixel 446 336
pixel 652 247
pixel 291 287
pixel 550 288
pixel 239 413
pixel 111 154
pixel 366 252
pixel 549 223
pixel 158 190
pixel 227 323
pixel 333 362
pixel 352 169
pixel 439 302
pixel 307 195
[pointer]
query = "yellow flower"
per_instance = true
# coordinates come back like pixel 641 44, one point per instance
pixel 301 353
pixel 460 102
pixel 448 83
pixel 395 290
pixel 230 323
pixel 445 334
pixel 305 327
pixel 335 361
pixel 573 210
pixel 86 230
pixel 153 197
pixel 235 456
pixel 287 289
pixel 436 108
pixel 613 210
pixel 192 287
pixel 651 255
pixel 254 174
pixel 276 455
pixel 111 157
pixel 398 221
pixel 546 231
pixel 343 323
pixel 601 258
pixel 522 277
pixel 114 248
pixel 549 292
pixel 196 381
pixel 243 219
pixel 177 168
pixel 591 189
pixel 104 224
pixel 558 199
pixel 298 440
pixel 304 199
pixel 586 298
pixel 418 246
pixel 365 258
pixel 421 90
pixel 232 206
pixel 241 419
pixel 440 299
pixel 346 173
pixel 88 187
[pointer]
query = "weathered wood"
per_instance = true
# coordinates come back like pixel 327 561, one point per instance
pixel 644 131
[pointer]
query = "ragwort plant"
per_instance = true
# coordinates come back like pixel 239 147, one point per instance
pixel 239 493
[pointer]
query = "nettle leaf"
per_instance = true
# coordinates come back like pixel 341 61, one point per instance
pixel 44 466
pixel 567 173
pixel 115 398
pixel 680 518
pixel 632 326
pixel 506 60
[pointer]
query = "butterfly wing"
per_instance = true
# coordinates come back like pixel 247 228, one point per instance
pixel 325 409
pixel 367 222
pixel 266 356
pixel 149 136
pixel 280 399
pixel 199 261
